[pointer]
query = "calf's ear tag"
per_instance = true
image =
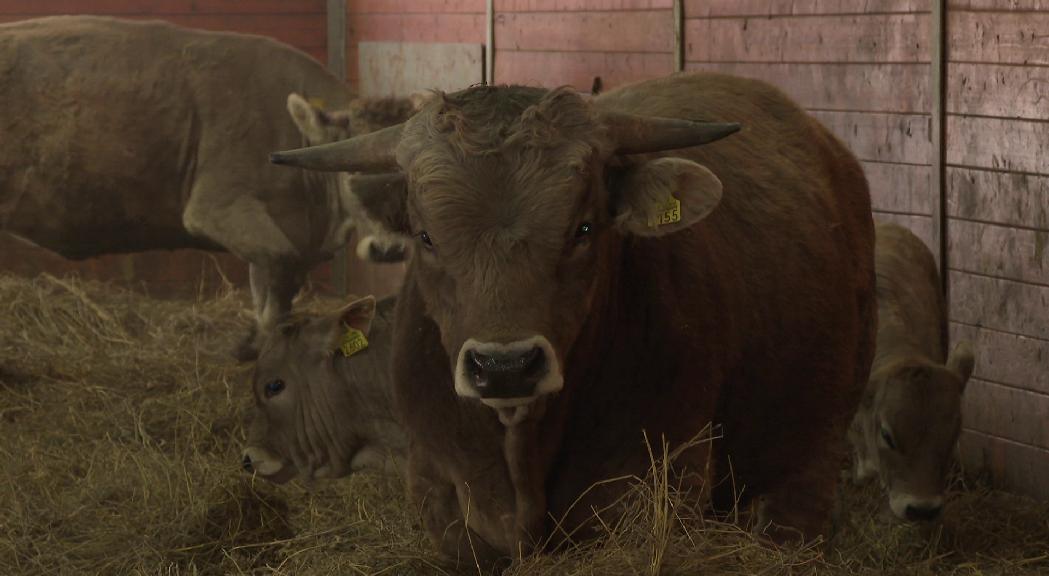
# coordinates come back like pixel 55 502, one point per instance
pixel 317 102
pixel 669 213
pixel 352 341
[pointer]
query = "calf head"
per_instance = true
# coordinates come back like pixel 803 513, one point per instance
pixel 516 200
pixel 321 408
pixel 911 429
pixel 364 115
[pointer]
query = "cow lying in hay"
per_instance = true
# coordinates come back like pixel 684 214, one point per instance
pixel 121 136
pixel 322 397
pixel 909 419
pixel 585 277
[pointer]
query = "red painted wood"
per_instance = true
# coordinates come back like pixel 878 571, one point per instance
pixel 1007 358
pixel 579 5
pixel 1000 144
pixel 649 31
pixel 844 86
pixel 1012 465
pixel 1003 197
pixel 1003 305
pixel 877 137
pixel 875 38
pixel 993 90
pixel 415 6
pixel 578 69
pixel 415 28
pixel 1001 5
pixel 1007 412
pixel 899 188
pixel 722 8
pixel 1000 251
pixel 999 37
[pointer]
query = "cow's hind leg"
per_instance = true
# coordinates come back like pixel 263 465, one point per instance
pixel 236 220
pixel 273 287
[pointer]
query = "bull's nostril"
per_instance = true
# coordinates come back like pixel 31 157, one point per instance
pixel 534 362
pixel 246 463
pixel 922 513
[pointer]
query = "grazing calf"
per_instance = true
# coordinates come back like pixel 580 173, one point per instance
pixel 908 422
pixel 323 407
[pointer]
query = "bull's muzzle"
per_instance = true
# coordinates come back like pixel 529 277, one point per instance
pixel 507 375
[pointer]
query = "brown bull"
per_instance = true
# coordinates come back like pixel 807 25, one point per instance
pixel 120 136
pixel 587 272
pixel 909 419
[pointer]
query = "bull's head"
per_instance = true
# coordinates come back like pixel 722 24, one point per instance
pixel 516 199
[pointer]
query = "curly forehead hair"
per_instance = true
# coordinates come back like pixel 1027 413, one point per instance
pixel 485 120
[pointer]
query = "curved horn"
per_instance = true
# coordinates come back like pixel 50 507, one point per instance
pixel 365 153
pixel 634 134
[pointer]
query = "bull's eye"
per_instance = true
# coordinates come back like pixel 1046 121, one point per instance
pixel 425 239
pixel 273 388
pixel 583 232
pixel 886 437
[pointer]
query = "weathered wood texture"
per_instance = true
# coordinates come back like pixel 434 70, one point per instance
pixel 1013 465
pixel 300 23
pixel 860 66
pixel 621 42
pixel 998 229
pixel 410 21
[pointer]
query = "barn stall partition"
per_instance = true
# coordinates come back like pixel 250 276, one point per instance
pixel 945 103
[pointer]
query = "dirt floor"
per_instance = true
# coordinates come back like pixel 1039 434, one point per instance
pixel 121 418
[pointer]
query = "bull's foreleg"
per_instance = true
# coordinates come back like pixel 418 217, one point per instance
pixel 798 508
pixel 446 523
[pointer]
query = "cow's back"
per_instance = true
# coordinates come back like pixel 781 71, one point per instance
pixel 109 123
pixel 910 304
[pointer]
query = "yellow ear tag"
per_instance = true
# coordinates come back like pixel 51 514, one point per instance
pixel 317 103
pixel 352 341
pixel 669 214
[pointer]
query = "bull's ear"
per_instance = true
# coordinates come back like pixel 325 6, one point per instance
pixel 381 202
pixel 962 362
pixel 349 335
pixel 663 196
pixel 312 122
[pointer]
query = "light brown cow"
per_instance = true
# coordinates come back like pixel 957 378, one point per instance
pixel 121 136
pixel 587 272
pixel 909 419
pixel 323 410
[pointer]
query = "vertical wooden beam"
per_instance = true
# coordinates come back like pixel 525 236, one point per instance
pixel 938 179
pixel 489 43
pixel 679 36
pixel 336 17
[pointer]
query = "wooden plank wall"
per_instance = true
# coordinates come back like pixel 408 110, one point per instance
pixel 860 66
pixel 998 231
pixel 410 21
pixel 569 42
pixel 300 23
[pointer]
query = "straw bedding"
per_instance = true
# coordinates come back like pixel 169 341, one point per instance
pixel 121 420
